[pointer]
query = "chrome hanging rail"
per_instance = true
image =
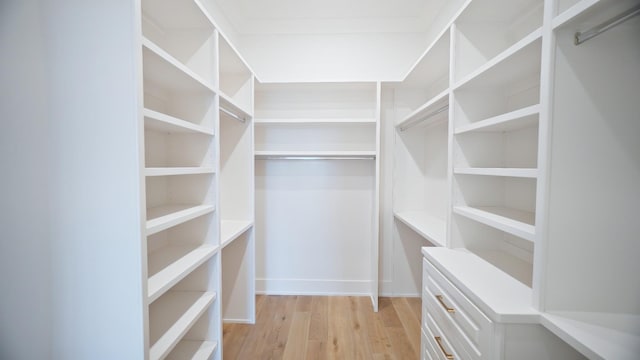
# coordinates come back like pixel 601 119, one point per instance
pixel 289 157
pixel 583 36
pixel 423 118
pixel 232 114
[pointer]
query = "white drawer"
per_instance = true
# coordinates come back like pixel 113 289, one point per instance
pixel 437 343
pixel 465 325
pixel 427 351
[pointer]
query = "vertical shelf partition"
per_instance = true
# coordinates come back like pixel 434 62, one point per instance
pixel 236 186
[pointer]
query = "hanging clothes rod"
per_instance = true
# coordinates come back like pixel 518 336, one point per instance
pixel 232 114
pixel 287 157
pixel 583 36
pixel 423 118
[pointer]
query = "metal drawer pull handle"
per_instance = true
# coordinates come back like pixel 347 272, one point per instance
pixel 446 354
pixel 449 310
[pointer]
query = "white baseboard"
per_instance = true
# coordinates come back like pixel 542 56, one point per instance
pixel 312 287
pixel 238 321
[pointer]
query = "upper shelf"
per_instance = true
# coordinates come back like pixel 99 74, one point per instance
pixel 230 105
pixel 427 226
pixel 164 70
pixel 520 59
pixel 506 172
pixel 500 296
pixel 292 155
pixel 433 111
pixel 163 13
pixel 157 121
pixel 513 120
pixel 308 121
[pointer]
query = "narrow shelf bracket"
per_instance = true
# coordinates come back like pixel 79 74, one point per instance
pixel 423 118
pixel 232 114
pixel 582 36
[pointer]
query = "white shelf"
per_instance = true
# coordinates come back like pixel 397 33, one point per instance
pixel 171 264
pixel 513 120
pixel 171 171
pixel 163 12
pixel 427 226
pixel 229 104
pixel 508 65
pixel 507 172
pixel 232 229
pixel 163 69
pixel 163 217
pixel 433 104
pixel 597 335
pixel 193 350
pixel 515 222
pixel 296 121
pixel 314 154
pixel 573 12
pixel 157 121
pixel 500 296
pixel 173 315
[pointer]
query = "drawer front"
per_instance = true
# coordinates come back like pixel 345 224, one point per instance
pixel 427 352
pixel 464 323
pixel 437 342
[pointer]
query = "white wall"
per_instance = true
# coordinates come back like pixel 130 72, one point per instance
pixel 96 219
pixel 331 57
pixel 25 315
pixel 313 225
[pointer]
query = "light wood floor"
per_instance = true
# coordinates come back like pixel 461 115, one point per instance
pixel 316 327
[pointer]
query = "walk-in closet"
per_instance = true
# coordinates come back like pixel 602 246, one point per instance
pixel 299 179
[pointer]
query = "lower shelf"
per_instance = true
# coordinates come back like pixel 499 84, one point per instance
pixel 427 226
pixel 171 264
pixel 232 229
pixel 597 335
pixel 171 316
pixel 193 350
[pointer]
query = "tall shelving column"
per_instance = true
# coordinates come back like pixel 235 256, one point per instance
pixel 236 201
pixel 495 110
pixel 588 268
pixel 183 257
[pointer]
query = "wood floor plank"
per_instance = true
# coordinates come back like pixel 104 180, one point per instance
pixel 341 341
pixel 388 313
pixel 316 350
pixel 318 329
pixel 415 303
pixel 296 345
pixel 323 328
pixel 409 322
pixel 377 338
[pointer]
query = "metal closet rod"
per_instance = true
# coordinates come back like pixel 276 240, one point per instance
pixel 421 119
pixel 287 157
pixel 232 114
pixel 582 36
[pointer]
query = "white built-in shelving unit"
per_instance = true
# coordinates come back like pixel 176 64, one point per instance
pixel 421 110
pixel 320 141
pixel 236 186
pixel 198 180
pixel 535 153
pixel 179 117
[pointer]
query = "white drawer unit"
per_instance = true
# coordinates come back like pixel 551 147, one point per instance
pixel 437 342
pixel 468 328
